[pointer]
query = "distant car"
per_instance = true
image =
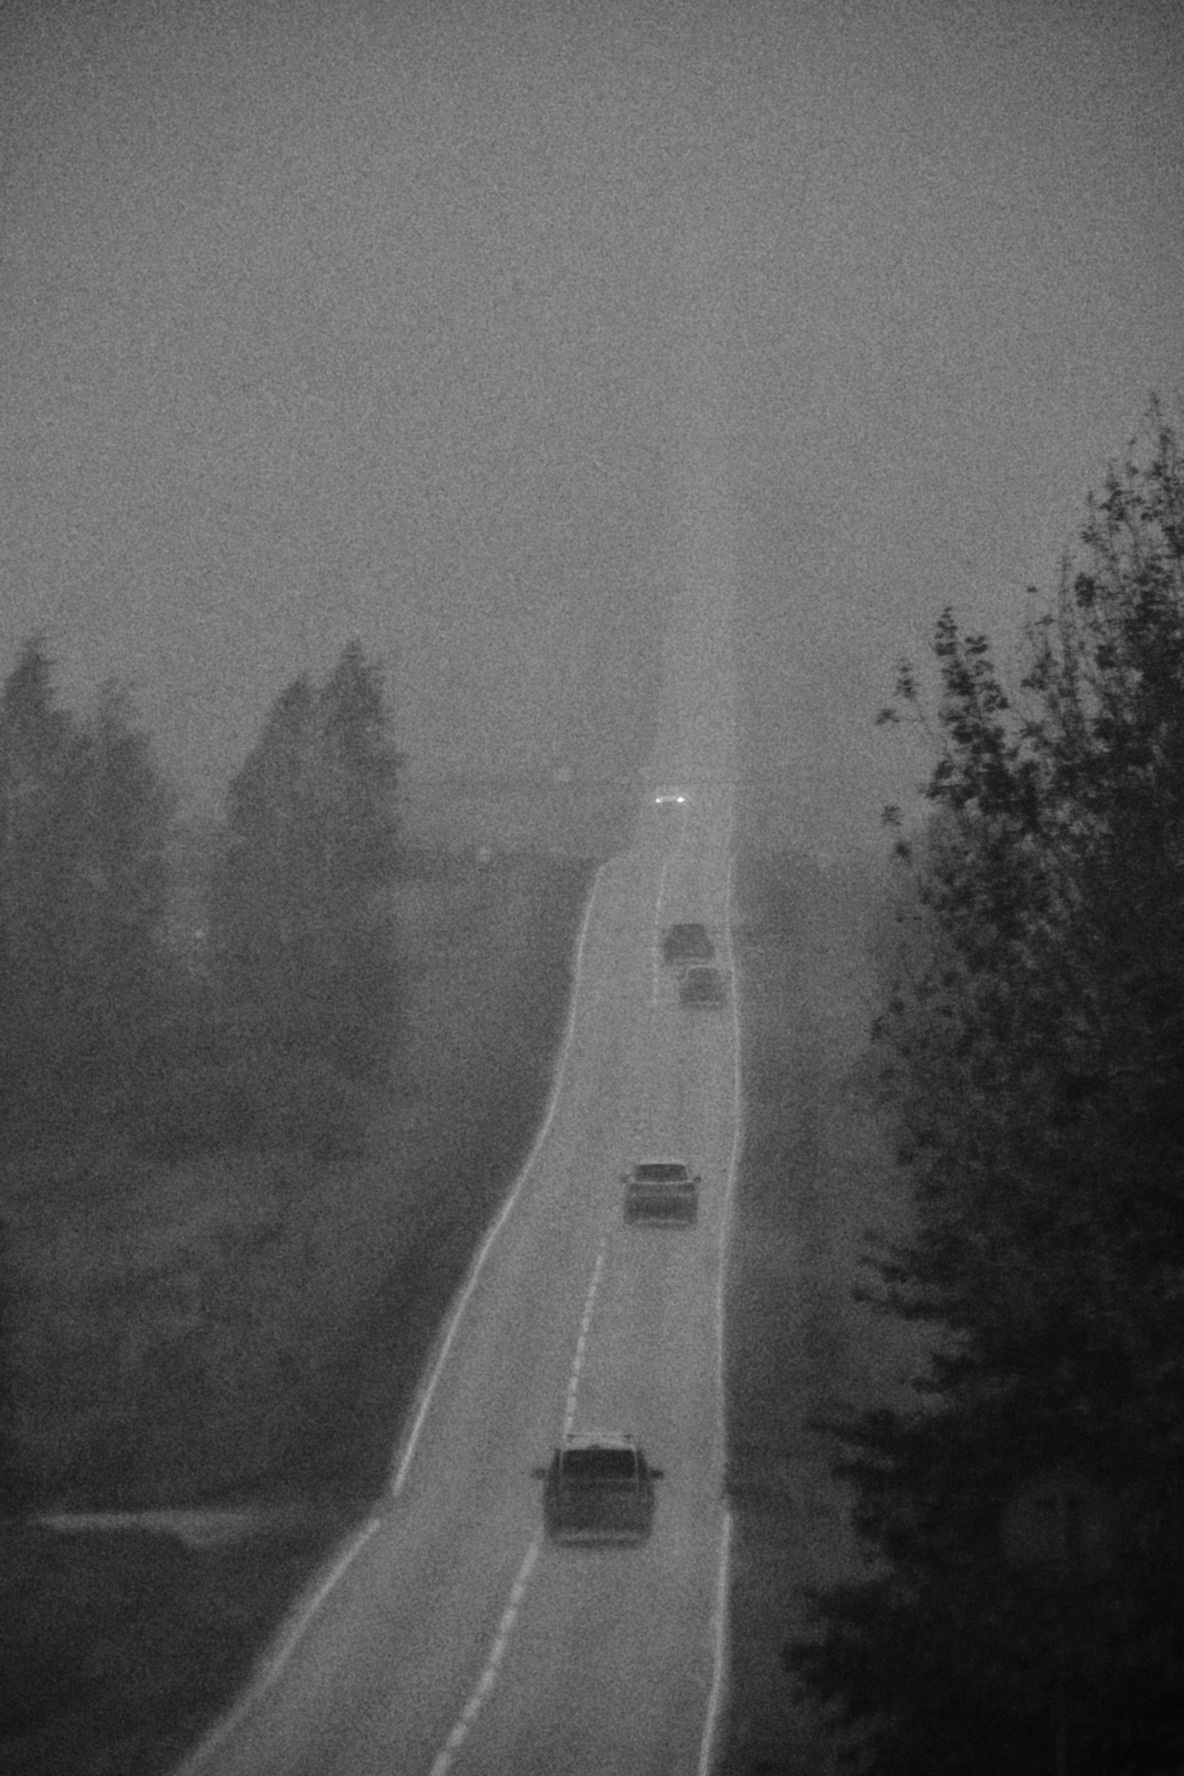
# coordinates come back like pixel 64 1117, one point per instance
pixel 599 1488
pixel 661 1192
pixel 702 986
pixel 687 943
pixel 670 798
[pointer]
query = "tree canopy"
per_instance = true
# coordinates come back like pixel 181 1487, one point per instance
pixel 301 921
pixel 84 820
pixel 1032 1047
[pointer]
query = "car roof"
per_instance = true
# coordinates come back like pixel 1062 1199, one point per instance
pixel 599 1440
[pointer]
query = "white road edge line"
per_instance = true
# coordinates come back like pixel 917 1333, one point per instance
pixel 737 1147
pixel 479 1262
pixel 720 1649
pixel 485 1683
pixel 230 1722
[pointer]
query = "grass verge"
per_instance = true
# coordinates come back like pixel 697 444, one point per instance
pixel 815 1173
pixel 250 1330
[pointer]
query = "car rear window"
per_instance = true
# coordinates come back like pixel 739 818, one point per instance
pixel 599 1464
pixel 660 1172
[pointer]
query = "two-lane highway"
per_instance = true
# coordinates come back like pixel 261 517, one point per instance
pixel 452 1637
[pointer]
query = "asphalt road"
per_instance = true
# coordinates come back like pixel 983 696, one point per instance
pixel 452 1637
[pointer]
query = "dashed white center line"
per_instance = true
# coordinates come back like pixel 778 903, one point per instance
pixel 657 964
pixel 501 1640
pixel 569 1412
pixel 497 1653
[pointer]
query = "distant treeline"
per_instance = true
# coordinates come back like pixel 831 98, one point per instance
pixel 268 1025
pixel 1024 1604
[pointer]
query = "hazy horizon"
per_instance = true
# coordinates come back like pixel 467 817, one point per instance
pixel 390 322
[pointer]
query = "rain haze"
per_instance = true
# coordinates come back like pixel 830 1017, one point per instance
pixel 433 1235
pixel 387 321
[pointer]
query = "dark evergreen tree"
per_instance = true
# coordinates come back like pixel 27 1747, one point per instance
pixel 264 893
pixel 360 850
pixel 35 739
pixel 1034 1070
pixel 83 824
pixel 301 921
pixel 116 815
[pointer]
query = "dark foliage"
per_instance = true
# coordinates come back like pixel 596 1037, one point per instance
pixel 1033 1066
pixel 305 963
pixel 271 1036
pixel 84 820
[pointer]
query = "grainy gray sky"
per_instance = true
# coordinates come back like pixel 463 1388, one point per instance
pixel 383 319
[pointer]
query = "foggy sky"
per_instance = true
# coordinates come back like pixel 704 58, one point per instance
pixel 339 319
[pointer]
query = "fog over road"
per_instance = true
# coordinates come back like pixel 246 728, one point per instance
pixel 455 1638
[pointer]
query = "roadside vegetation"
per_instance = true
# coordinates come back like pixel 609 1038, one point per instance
pixel 815 1172
pixel 264 1084
pixel 1021 1515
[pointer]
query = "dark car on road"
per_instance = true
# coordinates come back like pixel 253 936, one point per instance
pixel 703 986
pixel 599 1488
pixel 688 942
pixel 661 1192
